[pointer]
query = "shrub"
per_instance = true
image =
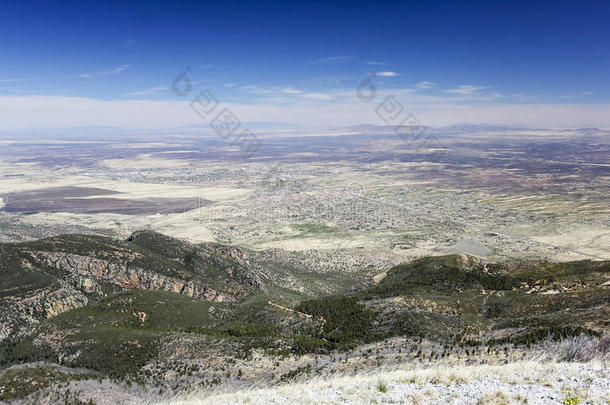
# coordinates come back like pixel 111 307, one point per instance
pixel 571 400
pixel 577 348
pixel 381 386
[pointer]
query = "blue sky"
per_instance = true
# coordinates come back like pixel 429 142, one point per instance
pixel 298 61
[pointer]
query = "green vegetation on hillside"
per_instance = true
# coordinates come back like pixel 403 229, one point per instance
pixel 345 321
pixel 128 331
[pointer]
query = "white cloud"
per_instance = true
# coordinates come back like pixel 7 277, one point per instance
pixel 425 85
pixel 120 68
pixel 466 89
pixel 146 92
pixel 385 74
pixel 373 62
pixel 14 80
pixel 103 73
pixel 256 89
pixel 334 59
pixel 230 84
pixel 289 90
pixel 572 95
pixel 524 96
pixel 318 96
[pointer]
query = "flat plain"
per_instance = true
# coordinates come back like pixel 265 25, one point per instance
pixel 497 192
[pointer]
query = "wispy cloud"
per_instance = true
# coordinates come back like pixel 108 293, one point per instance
pixel 251 88
pixel 103 73
pixel 318 96
pixel 147 92
pixel 373 62
pixel 425 85
pixel 282 94
pixel 230 84
pixel 465 89
pixel 581 94
pixel 385 74
pixel 334 59
pixel 14 80
pixel 120 68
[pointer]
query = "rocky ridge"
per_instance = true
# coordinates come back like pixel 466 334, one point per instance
pixel 63 280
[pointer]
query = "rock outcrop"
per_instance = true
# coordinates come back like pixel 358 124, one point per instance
pixel 20 313
pixel 90 273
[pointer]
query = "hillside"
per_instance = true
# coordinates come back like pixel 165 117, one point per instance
pixel 172 316
pixel 45 278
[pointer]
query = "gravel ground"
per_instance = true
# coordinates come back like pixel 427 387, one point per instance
pixel 522 382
